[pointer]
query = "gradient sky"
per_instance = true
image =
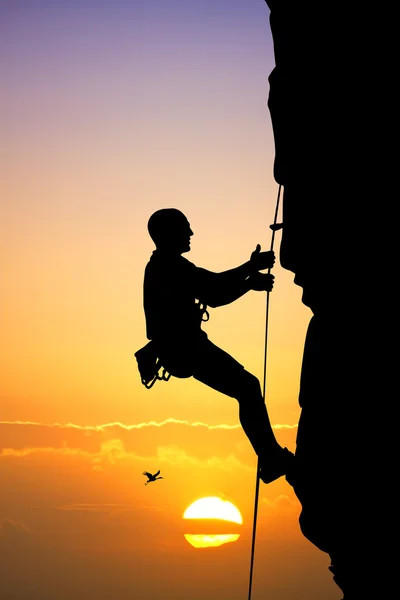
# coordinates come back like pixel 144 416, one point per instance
pixel 109 111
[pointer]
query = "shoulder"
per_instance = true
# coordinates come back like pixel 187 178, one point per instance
pixel 189 268
pixel 165 262
pixel 187 263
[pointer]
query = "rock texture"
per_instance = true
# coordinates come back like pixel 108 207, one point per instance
pixel 331 120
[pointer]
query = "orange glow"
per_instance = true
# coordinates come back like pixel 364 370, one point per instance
pixel 104 124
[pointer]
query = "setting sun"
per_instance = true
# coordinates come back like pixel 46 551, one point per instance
pixel 213 507
pixel 210 541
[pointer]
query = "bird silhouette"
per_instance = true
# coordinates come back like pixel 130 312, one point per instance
pixel 151 477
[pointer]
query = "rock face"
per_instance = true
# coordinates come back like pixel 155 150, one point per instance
pixel 329 112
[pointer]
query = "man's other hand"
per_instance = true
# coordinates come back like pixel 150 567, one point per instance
pixel 262 260
pixel 261 282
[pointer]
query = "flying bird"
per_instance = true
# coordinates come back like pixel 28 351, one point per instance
pixel 151 477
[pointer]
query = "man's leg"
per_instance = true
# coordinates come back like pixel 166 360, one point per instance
pixel 217 369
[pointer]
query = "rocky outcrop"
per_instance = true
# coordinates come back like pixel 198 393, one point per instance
pixel 330 120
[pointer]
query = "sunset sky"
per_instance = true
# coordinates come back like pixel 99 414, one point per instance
pixel 111 110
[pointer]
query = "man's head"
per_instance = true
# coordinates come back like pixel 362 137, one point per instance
pixel 170 230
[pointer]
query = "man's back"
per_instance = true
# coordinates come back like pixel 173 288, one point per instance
pixel 169 298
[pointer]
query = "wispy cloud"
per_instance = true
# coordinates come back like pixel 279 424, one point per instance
pixel 218 446
pixel 175 455
pixel 11 528
pixel 117 424
pixel 113 451
pixel 48 449
pixel 280 501
pixel 97 507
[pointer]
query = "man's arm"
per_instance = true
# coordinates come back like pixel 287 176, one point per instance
pixel 219 289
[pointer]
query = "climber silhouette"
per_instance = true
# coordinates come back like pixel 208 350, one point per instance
pixel 151 477
pixel 176 296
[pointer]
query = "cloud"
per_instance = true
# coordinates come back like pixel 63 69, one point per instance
pixel 13 529
pixel 116 424
pixel 218 446
pixel 175 455
pixel 113 452
pixel 280 501
pixel 47 449
pixel 92 507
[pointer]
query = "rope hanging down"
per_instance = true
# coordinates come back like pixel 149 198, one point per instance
pixel 275 227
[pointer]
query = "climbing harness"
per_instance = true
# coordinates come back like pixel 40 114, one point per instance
pixel 275 227
pixel 205 315
pixel 149 364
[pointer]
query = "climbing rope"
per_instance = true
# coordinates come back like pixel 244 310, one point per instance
pixel 275 227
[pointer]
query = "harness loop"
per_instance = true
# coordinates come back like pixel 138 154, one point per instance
pixel 205 315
